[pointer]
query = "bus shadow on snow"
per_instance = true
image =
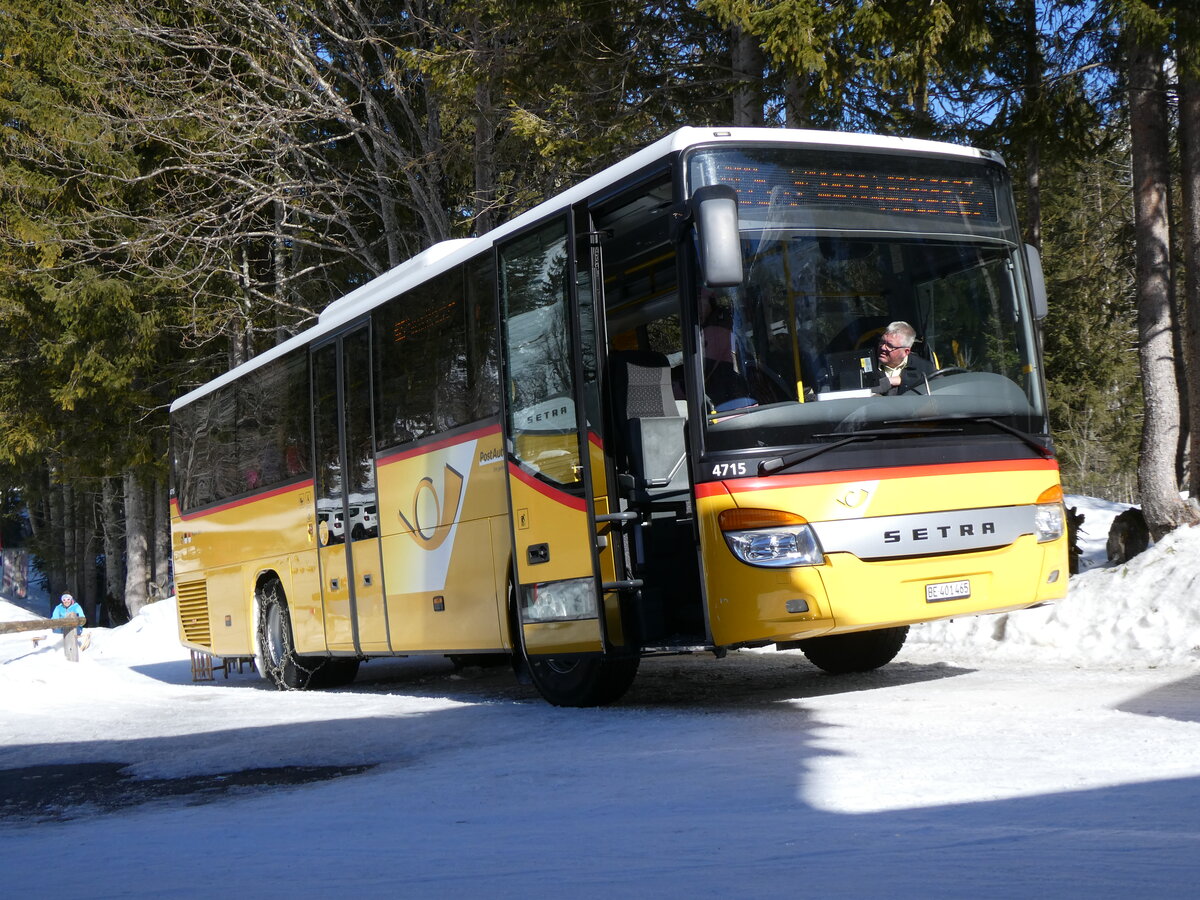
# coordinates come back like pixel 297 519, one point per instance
pixel 745 693
pixel 1117 841
pixel 58 792
pixel 740 680
pixel 1179 700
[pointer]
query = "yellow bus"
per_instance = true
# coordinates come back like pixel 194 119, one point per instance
pixel 646 417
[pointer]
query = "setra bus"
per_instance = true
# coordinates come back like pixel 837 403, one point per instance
pixel 644 417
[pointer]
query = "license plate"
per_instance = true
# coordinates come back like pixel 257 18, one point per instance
pixel 947 590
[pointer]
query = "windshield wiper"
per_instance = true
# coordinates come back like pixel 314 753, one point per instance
pixel 1025 437
pixel 779 463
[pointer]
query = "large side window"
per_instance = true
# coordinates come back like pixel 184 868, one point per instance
pixel 421 361
pixel 483 368
pixel 244 437
pixel 435 356
pixel 273 426
pixel 204 449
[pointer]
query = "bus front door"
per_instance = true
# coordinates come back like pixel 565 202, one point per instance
pixel 347 507
pixel 556 477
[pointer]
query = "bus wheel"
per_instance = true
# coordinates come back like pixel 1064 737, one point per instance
pixel 862 651
pixel 587 681
pixel 278 660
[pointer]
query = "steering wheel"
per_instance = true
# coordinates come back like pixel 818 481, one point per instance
pixel 949 370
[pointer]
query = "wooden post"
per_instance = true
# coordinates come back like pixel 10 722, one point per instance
pixel 71 645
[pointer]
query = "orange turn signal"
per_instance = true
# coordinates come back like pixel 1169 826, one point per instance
pixel 747 519
pixel 1050 495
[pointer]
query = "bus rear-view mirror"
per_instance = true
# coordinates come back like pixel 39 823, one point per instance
pixel 1037 282
pixel 714 208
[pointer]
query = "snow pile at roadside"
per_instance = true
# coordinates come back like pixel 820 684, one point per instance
pixel 153 634
pixel 152 637
pixel 1143 613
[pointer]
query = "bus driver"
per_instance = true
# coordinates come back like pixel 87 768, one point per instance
pixel 901 371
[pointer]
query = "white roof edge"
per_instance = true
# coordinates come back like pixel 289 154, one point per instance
pixel 444 255
pixel 423 260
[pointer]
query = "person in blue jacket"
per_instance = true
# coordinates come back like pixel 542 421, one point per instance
pixel 67 607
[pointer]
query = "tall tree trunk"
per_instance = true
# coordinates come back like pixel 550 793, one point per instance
pixel 52 543
pixel 1034 72
pixel 485 156
pixel 70 555
pixel 137 545
pixel 1189 140
pixel 486 53
pixel 161 516
pixel 748 64
pixel 1157 483
pixel 796 101
pixel 83 560
pixel 114 554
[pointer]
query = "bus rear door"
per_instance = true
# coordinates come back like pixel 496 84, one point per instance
pixel 348 529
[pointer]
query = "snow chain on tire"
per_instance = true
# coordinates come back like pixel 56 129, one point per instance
pixel 281 664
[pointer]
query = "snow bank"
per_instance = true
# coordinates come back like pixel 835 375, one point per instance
pixel 113 654
pixel 1143 613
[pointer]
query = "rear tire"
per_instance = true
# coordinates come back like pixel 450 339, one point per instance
pixel 582 681
pixel 861 651
pixel 278 660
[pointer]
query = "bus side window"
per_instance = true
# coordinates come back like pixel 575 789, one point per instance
pixel 665 336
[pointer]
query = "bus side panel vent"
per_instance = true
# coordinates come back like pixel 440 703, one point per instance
pixel 193 612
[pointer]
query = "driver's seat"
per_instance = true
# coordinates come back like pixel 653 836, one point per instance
pixel 653 429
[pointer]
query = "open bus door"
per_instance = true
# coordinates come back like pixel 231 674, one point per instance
pixel 564 564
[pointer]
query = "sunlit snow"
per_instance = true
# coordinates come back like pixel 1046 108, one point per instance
pixel 1050 752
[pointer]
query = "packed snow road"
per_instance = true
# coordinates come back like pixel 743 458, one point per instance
pixel 755 775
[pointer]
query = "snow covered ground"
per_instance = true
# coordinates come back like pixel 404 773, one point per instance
pixel 1052 752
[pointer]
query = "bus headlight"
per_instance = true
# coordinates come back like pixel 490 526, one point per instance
pixel 1049 523
pixel 772 538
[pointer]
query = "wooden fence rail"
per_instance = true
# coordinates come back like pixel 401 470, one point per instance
pixel 70 638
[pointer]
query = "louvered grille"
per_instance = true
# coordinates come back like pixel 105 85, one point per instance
pixel 193 613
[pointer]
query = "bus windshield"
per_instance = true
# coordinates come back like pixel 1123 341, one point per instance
pixel 833 258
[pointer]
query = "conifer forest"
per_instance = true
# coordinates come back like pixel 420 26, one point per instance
pixel 185 183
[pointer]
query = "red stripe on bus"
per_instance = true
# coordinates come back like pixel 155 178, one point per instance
pixel 245 501
pixel 576 503
pixel 439 445
pixel 774 482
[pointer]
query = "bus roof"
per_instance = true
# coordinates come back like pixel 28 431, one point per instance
pixel 446 254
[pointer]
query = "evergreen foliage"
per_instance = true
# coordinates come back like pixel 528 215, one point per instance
pixel 184 183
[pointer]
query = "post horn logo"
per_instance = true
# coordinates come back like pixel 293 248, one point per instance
pixel 432 515
pixel 853 498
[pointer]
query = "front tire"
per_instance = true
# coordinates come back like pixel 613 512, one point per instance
pixel 861 651
pixel 582 681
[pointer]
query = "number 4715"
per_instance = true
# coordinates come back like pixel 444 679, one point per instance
pixel 728 470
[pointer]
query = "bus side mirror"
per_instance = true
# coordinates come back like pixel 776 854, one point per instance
pixel 714 209
pixel 1037 282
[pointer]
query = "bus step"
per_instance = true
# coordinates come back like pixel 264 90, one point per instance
pixel 626 516
pixel 627 585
